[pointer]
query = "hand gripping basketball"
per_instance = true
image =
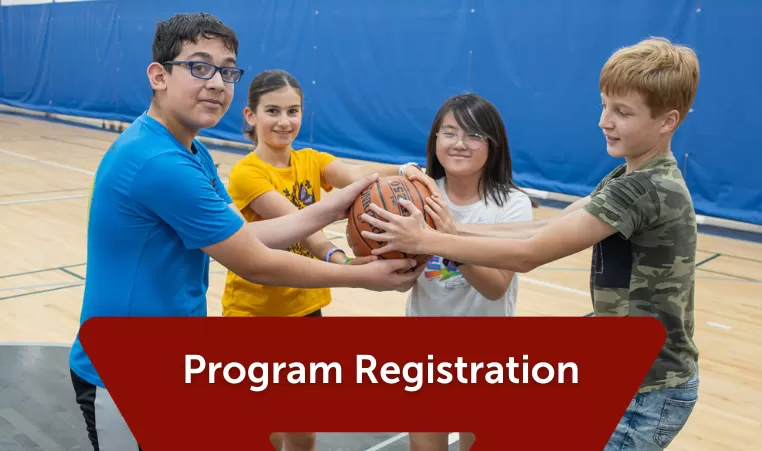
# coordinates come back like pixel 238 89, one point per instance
pixel 341 202
pixel 400 233
pixel 390 198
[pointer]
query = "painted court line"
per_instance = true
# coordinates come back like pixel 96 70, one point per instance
pixel 719 325
pixel 387 442
pixel 41 291
pixel 717 255
pixel 453 437
pixel 43 199
pixel 749 279
pixel 740 257
pixel 726 279
pixel 43 192
pixel 37 287
pixel 37 271
pixel 72 273
pixel 30 430
pixel 553 285
pixel 50 163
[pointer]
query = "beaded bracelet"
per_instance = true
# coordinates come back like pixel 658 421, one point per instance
pixel 331 252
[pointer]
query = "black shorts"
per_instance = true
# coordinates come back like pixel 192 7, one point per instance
pixel 110 433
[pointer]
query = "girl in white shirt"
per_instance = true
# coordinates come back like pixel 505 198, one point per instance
pixel 469 157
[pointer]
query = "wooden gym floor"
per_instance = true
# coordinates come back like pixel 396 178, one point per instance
pixel 46 168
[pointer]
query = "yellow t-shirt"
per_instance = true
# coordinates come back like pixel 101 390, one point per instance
pixel 300 183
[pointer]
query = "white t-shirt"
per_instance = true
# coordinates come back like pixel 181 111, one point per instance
pixel 442 291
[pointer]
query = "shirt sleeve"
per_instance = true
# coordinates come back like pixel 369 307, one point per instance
pixel 517 209
pixel 248 182
pixel 619 170
pixel 323 160
pixel 175 188
pixel 218 185
pixel 628 204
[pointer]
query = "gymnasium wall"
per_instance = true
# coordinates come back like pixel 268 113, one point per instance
pixel 374 73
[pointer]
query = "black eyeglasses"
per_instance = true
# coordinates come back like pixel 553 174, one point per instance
pixel 206 71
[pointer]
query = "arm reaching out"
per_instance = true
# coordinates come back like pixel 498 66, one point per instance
pixel 272 205
pixel 340 174
pixel 246 256
pixel 517 230
pixel 283 231
pixel 564 236
pixel 173 187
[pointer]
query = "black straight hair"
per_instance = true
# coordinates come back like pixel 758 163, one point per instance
pixel 172 34
pixel 477 115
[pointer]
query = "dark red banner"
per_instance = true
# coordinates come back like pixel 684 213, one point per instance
pixel 227 383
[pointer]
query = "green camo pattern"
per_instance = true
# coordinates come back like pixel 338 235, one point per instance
pixel 654 268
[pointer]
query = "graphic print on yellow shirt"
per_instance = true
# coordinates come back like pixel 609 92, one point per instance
pixel 300 183
pixel 301 195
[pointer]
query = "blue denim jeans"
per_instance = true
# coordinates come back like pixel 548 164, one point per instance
pixel 653 420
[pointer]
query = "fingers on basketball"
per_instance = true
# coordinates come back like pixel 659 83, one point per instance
pixel 385 193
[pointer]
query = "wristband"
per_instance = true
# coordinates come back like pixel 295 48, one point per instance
pixel 404 166
pixel 331 252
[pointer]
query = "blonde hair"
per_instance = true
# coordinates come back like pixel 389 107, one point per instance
pixel 665 74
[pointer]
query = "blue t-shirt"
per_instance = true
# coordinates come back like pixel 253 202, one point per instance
pixel 154 205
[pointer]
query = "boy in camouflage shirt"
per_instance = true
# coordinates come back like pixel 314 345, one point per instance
pixel 639 220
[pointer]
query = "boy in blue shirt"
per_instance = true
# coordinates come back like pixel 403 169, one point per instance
pixel 159 209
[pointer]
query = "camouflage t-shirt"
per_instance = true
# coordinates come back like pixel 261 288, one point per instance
pixel 648 268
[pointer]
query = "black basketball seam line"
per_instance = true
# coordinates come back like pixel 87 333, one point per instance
pixel 355 222
pixel 381 196
pixel 358 228
pixel 399 207
pixel 409 196
pixel 420 196
pixel 423 209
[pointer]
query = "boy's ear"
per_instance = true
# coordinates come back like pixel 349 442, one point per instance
pixel 671 119
pixel 157 76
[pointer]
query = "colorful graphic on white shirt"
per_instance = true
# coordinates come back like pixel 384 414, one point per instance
pixel 442 290
pixel 444 270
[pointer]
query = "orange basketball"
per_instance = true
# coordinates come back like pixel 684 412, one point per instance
pixel 384 193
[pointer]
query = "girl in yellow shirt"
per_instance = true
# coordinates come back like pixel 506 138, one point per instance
pixel 274 180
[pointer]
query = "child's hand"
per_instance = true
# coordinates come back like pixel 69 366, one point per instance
pixel 401 233
pixel 417 271
pixel 413 173
pixel 441 215
pixel 361 260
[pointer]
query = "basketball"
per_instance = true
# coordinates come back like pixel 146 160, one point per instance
pixel 385 192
